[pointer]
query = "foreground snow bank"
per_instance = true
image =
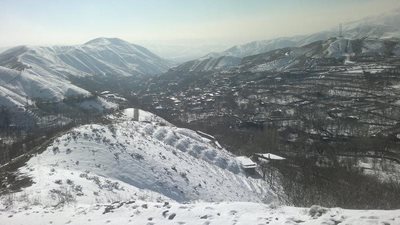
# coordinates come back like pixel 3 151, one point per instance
pixel 164 213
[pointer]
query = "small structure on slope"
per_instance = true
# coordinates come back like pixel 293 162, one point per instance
pixel 266 157
pixel 263 159
pixel 247 164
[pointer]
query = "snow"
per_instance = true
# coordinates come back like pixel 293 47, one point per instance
pixel 127 159
pixel 17 86
pixel 209 136
pixel 210 64
pixel 97 104
pixel 144 116
pixel 339 48
pixel 46 70
pixel 97 57
pixel 164 213
pixel 257 47
pixel 114 97
pixel 377 27
pixel 149 172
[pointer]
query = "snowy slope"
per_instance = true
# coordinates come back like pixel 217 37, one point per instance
pixel 257 47
pixel 151 172
pixel 44 72
pixel 209 64
pixel 101 56
pixel 164 213
pixel 332 51
pixel 17 86
pixel 103 163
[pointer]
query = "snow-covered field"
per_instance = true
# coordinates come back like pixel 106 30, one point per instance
pixel 151 172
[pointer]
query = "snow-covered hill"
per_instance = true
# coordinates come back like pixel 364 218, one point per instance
pixel 101 56
pixel 375 27
pixel 151 172
pixel 149 159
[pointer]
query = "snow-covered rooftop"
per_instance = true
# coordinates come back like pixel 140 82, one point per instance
pixel 246 162
pixel 270 156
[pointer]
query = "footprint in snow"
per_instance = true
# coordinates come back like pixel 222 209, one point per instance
pixel 165 213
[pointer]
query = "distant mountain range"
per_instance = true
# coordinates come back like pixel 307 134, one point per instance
pixel 25 69
pixel 335 50
pixel 378 27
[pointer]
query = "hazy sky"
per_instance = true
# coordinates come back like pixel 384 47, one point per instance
pixel 45 22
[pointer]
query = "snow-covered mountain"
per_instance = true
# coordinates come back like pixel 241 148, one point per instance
pixel 375 27
pixel 20 89
pixel 334 51
pixel 45 73
pixel 101 56
pixel 257 47
pixel 16 86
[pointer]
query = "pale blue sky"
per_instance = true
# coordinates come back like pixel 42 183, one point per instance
pixel 40 22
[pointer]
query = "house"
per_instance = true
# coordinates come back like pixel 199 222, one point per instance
pixel 266 157
pixel 263 158
pixel 247 164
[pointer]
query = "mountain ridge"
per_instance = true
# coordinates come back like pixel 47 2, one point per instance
pixel 379 26
pixel 99 56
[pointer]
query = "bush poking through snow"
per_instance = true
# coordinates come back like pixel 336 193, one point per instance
pixel 62 196
pixel 9 201
pixel 317 211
